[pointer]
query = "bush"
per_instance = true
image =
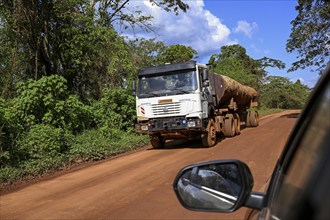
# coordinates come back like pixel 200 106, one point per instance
pixel 37 101
pixel 43 141
pixel 95 145
pixel 44 128
pixel 47 101
pixel 115 110
pixel 9 130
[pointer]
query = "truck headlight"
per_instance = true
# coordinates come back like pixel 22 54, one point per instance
pixel 191 124
pixel 144 127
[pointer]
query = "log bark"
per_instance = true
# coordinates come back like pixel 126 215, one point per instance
pixel 226 88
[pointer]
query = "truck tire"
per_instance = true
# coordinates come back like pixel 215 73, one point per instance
pixel 209 139
pixel 157 142
pixel 229 125
pixel 248 120
pixel 237 124
pixel 254 119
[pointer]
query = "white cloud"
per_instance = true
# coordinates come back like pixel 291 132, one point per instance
pixel 246 28
pixel 197 28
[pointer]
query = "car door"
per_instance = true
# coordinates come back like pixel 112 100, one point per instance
pixel 299 188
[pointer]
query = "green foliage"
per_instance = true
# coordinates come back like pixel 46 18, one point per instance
pixel 57 60
pixel 235 63
pixel 276 92
pixel 115 111
pixel 36 151
pixel 178 53
pixel 9 130
pixel 94 145
pixel 310 34
pixel 56 148
pixel 44 127
pixel 151 53
pixel 94 56
pixel 36 100
pixel 30 168
pixel 47 101
pixel 234 69
pixel 279 92
pixel 263 111
pixel 146 52
pixel 72 38
pixel 43 141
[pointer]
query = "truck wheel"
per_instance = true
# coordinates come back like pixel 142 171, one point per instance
pixel 248 119
pixel 209 139
pixel 229 125
pixel 157 142
pixel 237 124
pixel 254 119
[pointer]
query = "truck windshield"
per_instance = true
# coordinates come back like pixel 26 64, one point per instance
pixel 172 83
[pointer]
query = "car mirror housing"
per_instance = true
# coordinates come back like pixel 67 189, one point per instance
pixel 214 186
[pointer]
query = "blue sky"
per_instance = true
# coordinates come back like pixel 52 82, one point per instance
pixel 262 27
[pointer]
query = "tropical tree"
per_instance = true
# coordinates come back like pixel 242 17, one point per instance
pixel 280 92
pixel 235 63
pixel 146 52
pixel 177 53
pixel 310 34
pixel 151 52
pixel 72 38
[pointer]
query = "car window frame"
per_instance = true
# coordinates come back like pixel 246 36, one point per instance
pixel 292 144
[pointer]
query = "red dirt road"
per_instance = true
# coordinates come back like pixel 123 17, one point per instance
pixel 139 185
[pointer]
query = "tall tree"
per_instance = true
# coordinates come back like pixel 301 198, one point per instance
pixel 280 92
pixel 151 52
pixel 146 52
pixel 72 38
pixel 235 63
pixel 310 34
pixel 177 53
pixel 119 12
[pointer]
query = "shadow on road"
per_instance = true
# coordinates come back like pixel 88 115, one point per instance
pixel 293 115
pixel 191 144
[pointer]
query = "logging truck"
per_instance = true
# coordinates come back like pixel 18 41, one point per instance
pixel 188 101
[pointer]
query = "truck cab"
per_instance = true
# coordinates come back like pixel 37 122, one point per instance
pixel 170 101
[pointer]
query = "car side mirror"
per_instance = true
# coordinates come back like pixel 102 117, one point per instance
pixel 220 186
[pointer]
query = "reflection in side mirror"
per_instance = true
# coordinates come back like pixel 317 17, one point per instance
pixel 214 186
pixel 206 84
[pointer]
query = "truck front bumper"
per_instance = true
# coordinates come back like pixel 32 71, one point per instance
pixel 168 125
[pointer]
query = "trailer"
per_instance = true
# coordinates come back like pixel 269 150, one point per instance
pixel 188 101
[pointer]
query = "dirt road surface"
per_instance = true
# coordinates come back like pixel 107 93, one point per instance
pixel 139 185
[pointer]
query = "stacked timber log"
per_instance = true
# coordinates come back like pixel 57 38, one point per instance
pixel 226 88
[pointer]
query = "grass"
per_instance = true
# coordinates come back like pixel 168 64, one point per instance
pixel 269 111
pixel 91 145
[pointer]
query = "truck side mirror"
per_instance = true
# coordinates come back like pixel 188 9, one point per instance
pixel 205 74
pixel 134 87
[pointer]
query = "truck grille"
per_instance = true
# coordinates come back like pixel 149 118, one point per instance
pixel 166 108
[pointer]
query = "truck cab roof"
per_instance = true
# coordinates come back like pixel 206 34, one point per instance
pixel 168 68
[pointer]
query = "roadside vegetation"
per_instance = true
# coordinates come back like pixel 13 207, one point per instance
pixel 66 75
pixel 44 127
